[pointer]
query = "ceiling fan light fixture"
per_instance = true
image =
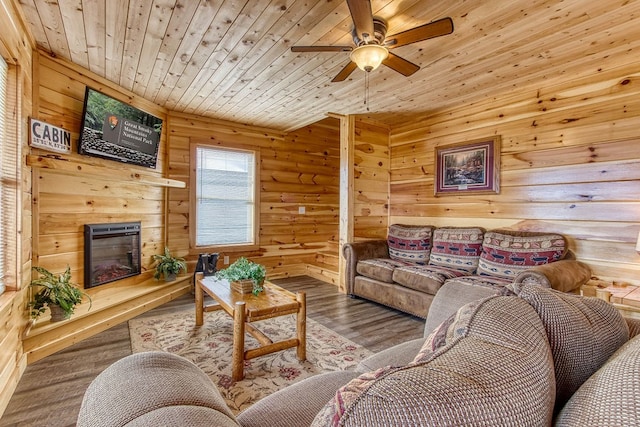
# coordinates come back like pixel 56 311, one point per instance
pixel 368 57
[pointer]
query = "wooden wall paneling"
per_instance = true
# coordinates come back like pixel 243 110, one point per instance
pixel 569 164
pixel 371 176
pixel 115 303
pixel 297 169
pixel 347 190
pixel 16 44
pixel 84 77
pixel 13 361
pixel 72 190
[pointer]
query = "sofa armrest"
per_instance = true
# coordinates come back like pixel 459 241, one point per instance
pixel 565 275
pixel 450 297
pixel 354 252
pixel 144 388
pixel 634 326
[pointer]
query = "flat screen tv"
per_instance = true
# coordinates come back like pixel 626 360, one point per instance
pixel 114 130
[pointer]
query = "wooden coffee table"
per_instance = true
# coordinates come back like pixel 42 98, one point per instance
pixel 246 308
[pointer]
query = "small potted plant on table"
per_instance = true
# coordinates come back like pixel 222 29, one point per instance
pixel 57 293
pixel 168 266
pixel 244 272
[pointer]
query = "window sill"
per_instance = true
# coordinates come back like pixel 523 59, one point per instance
pixel 7 298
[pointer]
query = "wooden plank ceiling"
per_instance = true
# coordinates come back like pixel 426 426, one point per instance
pixel 231 59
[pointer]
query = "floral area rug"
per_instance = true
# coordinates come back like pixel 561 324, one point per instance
pixel 210 347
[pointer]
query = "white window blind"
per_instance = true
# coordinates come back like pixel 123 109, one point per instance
pixel 3 143
pixel 9 176
pixel 225 197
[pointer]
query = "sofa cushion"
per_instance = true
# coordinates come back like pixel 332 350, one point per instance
pixel 496 283
pixel 294 405
pixel 495 368
pixel 507 253
pixel 379 268
pixel 398 355
pixel 583 333
pixel 403 299
pixel 410 243
pixel 457 248
pixel 424 278
pixel 610 396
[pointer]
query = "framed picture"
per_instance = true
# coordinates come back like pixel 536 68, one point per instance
pixel 468 168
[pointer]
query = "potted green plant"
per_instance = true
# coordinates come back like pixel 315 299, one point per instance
pixel 168 266
pixel 56 292
pixel 243 269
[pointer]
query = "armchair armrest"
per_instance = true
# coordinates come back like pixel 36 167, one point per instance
pixel 565 275
pixel 634 326
pixel 153 388
pixel 354 252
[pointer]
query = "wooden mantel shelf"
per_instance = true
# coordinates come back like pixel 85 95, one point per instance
pixel 69 166
pixel 111 305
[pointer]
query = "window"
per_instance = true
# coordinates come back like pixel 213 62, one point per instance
pixel 8 177
pixel 3 114
pixel 225 197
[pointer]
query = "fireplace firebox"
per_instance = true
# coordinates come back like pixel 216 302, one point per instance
pixel 111 252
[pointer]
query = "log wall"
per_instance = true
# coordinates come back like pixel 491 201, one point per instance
pixel 71 190
pixel 299 169
pixel 570 163
pixel 371 179
pixel 15 47
pixel 93 190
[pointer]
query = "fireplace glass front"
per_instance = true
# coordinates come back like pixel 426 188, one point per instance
pixel 111 252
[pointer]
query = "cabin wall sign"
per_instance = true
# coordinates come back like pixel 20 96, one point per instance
pixel 48 137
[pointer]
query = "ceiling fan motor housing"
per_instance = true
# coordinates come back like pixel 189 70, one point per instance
pixel 379 33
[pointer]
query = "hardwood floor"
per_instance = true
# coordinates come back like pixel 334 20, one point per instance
pixel 51 390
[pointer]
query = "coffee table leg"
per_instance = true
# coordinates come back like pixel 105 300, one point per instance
pixel 301 326
pixel 237 364
pixel 199 304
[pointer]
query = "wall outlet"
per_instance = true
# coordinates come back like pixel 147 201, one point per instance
pixel 226 260
pixel 302 210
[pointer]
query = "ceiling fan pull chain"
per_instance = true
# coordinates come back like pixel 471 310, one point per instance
pixel 366 90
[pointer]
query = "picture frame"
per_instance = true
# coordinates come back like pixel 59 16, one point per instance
pixel 471 167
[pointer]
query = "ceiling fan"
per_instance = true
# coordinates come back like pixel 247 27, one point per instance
pixel 372 45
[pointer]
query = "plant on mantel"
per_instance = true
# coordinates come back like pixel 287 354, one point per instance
pixel 168 265
pixel 56 292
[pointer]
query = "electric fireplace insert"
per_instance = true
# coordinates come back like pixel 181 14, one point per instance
pixel 111 252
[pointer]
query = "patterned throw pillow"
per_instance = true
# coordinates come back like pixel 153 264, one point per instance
pixel 457 248
pixel 506 254
pixel 410 243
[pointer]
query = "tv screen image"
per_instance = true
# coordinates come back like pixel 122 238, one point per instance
pixel 115 130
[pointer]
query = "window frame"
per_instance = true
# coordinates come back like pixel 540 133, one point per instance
pixel 240 247
pixel 10 181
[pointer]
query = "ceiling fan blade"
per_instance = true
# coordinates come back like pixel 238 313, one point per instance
pixel 345 72
pixel 362 18
pixel 404 67
pixel 433 29
pixel 321 48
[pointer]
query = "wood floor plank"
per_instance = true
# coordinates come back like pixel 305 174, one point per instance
pixel 51 390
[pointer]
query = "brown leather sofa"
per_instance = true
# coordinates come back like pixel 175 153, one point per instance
pixel 406 270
